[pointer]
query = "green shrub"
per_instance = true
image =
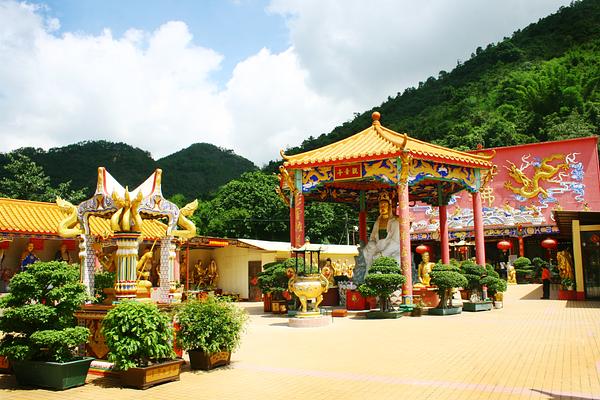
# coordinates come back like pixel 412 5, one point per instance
pixel 494 284
pixel 38 318
pixel 525 269
pixel 473 273
pixel 446 277
pixel 384 277
pixel 273 278
pixel 137 335
pixel 210 325
pixel 102 280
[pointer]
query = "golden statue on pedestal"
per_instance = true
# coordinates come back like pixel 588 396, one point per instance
pixel 512 275
pixel 425 267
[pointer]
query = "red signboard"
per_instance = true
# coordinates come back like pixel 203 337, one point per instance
pixel 351 171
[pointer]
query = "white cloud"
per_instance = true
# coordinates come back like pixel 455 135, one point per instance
pixel 369 50
pixel 155 90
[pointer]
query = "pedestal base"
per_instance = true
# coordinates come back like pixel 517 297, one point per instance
pixel 313 322
pixel 428 295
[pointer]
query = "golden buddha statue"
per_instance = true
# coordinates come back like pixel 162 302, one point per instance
pixel 213 274
pixel 512 275
pixel 425 268
pixel 565 264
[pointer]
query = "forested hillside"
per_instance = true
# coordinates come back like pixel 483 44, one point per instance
pixel 195 172
pixel 541 84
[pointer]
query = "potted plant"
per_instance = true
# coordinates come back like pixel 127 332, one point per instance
pixel 272 281
pixel 104 283
pixel 210 330
pixel 417 310
pixel 384 277
pixel 495 287
pixel 446 277
pixel 139 338
pixel 525 269
pixel 41 335
pixel 474 273
pixel 567 289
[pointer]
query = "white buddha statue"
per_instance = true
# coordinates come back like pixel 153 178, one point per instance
pixel 385 236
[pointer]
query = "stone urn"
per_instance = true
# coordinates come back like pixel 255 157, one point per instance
pixel 309 287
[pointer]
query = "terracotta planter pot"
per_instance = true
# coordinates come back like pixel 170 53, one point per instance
pixel 207 361
pixel 144 377
pixel 567 294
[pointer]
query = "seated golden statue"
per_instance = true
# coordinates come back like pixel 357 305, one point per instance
pixel 425 268
pixel 213 274
pixel 200 274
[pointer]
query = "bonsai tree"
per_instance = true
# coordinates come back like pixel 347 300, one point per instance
pixel 384 277
pixel 493 282
pixel 273 279
pixel 38 318
pixel 446 277
pixel 524 269
pixel 210 326
pixel 137 335
pixel 473 273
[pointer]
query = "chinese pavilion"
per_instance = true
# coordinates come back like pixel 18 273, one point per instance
pixel 357 169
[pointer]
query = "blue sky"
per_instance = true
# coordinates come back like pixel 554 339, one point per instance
pixel 236 29
pixel 252 76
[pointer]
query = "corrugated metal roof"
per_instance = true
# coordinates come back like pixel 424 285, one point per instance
pixel 377 142
pixel 34 217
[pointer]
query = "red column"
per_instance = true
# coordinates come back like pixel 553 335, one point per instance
pixel 292 226
pixel 299 219
pixel 362 226
pixel 521 247
pixel 478 226
pixel 445 247
pixel 405 259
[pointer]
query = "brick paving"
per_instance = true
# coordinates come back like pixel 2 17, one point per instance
pixel 530 349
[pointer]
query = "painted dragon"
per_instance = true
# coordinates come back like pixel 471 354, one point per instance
pixel 530 187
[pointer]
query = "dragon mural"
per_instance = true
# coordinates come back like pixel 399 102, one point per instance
pixel 542 171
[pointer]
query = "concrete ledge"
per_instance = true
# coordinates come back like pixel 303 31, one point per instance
pixel 309 322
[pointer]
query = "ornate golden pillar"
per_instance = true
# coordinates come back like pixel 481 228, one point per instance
pixel 127 258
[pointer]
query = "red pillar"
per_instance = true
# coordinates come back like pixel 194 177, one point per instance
pixel 405 259
pixel 445 246
pixel 362 226
pixel 521 247
pixel 478 226
pixel 299 220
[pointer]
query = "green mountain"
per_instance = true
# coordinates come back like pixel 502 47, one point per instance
pixel 540 84
pixel 195 172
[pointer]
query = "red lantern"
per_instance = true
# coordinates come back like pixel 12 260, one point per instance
pixel 549 243
pixel 504 245
pixel 423 248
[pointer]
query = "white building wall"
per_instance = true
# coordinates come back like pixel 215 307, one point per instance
pixel 233 268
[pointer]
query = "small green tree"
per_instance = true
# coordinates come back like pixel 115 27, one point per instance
pixel 384 277
pixel 446 277
pixel 524 268
pixel 273 278
pixel 37 316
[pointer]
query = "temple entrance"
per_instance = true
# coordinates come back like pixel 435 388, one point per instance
pixel 590 244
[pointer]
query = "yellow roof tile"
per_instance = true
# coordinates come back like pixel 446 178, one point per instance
pixel 34 217
pixel 377 142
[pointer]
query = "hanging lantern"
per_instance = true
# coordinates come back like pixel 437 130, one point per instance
pixel 549 243
pixel 504 245
pixel 423 248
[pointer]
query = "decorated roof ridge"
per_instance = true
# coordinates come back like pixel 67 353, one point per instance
pixel 484 155
pixel 377 141
pixel 37 217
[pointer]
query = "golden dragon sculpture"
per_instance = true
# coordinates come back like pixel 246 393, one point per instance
pixel 189 226
pixel 68 226
pixel 530 187
pixel 127 217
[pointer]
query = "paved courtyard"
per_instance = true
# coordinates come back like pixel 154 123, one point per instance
pixel 531 349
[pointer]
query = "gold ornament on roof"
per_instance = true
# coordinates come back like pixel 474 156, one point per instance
pixel 530 187
pixel 68 227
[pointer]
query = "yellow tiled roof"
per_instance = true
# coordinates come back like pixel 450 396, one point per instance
pixel 34 217
pixel 377 142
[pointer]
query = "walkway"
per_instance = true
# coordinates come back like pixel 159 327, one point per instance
pixel 531 349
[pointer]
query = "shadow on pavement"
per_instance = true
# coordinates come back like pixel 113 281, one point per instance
pixel 562 396
pixel 8 382
pixel 583 304
pixel 535 294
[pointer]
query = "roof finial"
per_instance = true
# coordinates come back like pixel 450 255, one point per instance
pixel 375 116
